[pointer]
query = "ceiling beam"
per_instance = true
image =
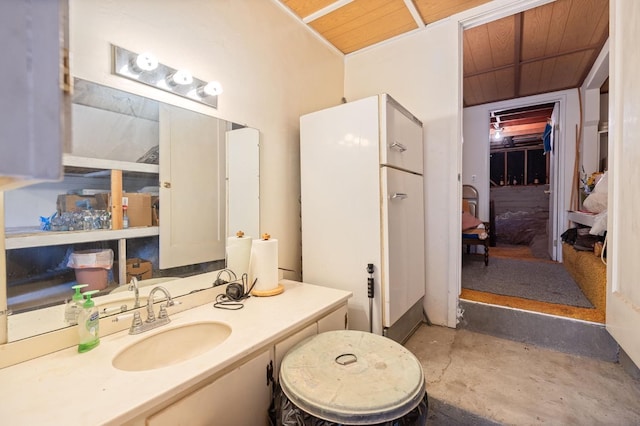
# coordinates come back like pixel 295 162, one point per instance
pixel 414 12
pixel 325 10
pixel 540 58
pixel 517 49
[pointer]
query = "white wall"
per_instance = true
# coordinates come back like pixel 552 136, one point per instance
pixel 422 71
pixel 271 68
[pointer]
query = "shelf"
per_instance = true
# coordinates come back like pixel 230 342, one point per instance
pixel 583 218
pixel 85 165
pixel 17 238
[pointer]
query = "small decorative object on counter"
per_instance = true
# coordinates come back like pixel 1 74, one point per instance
pixel 88 324
pixel 74 305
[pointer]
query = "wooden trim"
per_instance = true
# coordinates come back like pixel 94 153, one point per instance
pixel 116 199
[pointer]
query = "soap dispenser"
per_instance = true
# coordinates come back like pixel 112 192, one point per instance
pixel 74 305
pixel 88 324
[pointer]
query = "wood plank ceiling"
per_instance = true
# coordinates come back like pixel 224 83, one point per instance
pixel 548 48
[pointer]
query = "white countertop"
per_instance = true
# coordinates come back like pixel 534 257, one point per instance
pixel 67 387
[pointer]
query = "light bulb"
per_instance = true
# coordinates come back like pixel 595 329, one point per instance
pixel 146 62
pixel 213 88
pixel 181 77
pixel 497 134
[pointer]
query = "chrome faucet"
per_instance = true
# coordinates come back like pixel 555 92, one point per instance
pixel 133 286
pixel 137 326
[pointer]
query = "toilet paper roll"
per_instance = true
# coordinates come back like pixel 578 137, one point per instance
pixel 239 254
pixel 264 265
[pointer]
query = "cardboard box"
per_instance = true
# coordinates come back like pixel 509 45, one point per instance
pixel 140 268
pixel 138 209
pixel 72 203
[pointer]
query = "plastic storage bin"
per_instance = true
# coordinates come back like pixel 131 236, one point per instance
pixel 92 267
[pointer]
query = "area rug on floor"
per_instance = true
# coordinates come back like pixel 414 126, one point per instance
pixel 543 281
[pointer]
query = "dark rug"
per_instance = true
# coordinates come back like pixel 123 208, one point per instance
pixel 542 281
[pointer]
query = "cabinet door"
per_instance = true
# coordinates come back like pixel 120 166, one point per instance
pixel 241 397
pixel 336 320
pixel 403 227
pixel 403 138
pixel 34 110
pixel 192 187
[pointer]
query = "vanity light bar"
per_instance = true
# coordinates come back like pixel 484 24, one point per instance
pixel 146 69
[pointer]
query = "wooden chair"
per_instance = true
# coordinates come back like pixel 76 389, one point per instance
pixel 474 237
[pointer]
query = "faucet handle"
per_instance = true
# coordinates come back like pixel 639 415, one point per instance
pixel 162 314
pixel 133 284
pixel 136 324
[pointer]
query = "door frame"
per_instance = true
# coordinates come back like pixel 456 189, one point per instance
pixel 560 151
pixel 455 286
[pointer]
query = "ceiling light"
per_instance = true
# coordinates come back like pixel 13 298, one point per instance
pixel 213 88
pixel 181 77
pixel 145 68
pixel 146 62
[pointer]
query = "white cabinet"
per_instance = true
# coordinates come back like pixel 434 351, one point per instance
pixel 34 86
pixel 403 224
pixel 363 203
pixel 240 397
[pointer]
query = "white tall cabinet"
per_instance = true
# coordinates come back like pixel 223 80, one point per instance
pixel 363 203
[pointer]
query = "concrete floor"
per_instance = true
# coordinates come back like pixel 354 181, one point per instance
pixel 478 379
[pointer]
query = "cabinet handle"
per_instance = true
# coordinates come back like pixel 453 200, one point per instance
pixel 398 147
pixel 400 195
pixel 166 185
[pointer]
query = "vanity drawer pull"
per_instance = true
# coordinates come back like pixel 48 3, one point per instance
pixel 399 195
pixel 398 147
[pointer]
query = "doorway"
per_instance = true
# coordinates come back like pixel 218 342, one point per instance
pixel 523 163
pixel 520 177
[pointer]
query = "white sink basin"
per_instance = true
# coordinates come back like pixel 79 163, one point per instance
pixel 171 346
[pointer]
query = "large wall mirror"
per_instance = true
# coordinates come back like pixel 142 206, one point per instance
pixel 127 129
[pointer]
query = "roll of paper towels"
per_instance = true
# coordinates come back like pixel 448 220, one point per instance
pixel 239 254
pixel 264 264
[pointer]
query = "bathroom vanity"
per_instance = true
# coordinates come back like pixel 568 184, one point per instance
pixel 228 383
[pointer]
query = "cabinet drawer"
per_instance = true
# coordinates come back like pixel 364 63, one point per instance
pixel 403 142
